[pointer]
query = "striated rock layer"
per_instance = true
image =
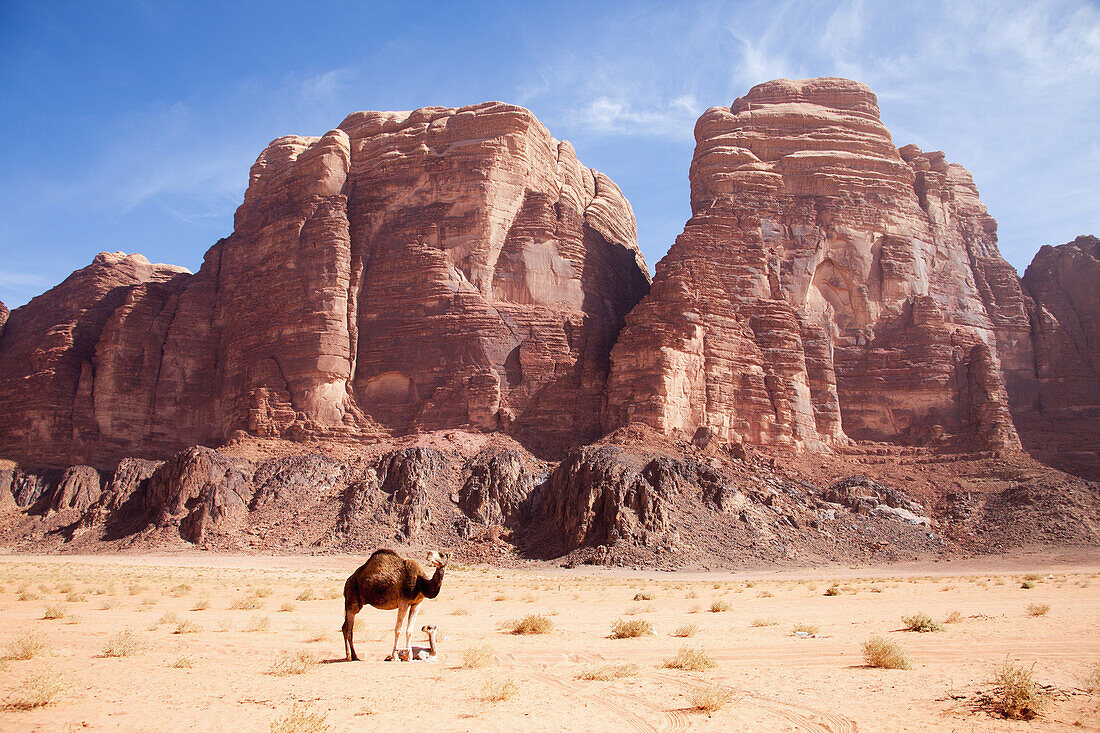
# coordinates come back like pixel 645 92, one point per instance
pixel 828 287
pixel 405 271
pixel 1062 420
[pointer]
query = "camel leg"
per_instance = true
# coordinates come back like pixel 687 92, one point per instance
pixel 413 610
pixel 402 609
pixel 349 635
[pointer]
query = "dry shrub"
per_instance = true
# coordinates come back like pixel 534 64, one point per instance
pixel 1016 695
pixel 477 656
pixel 643 596
pixel 832 590
pixel 1090 680
pixel 499 690
pixel 460 612
pixel 261 592
pixel 300 718
pixel 953 618
pixel 288 606
pixel 532 624
pixel 75 598
pixel 695 660
pixel 65 588
pixel 38 690
pixel 500 597
pixel 259 624
pixel 26 595
pixel 123 644
pixel 810 629
pixel 247 603
pixel 758 622
pixel 765 594
pixel 299 663
pixel 203 604
pixel 306 595
pixel 109 604
pixel 686 631
pixel 54 611
pixel 1027 584
pixel 710 698
pixel 180 590
pixel 1038 609
pixel 631 629
pixel 720 607
pixel 922 623
pixel 28 646
pixel 881 652
pixel 607 672
pixel 168 618
pixel 184 662
pixel 187 626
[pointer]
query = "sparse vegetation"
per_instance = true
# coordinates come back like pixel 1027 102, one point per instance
pixel 187 626
pixel 809 629
pixel 720 607
pixel 694 660
pixel 290 664
pixel 38 690
pixel 180 590
pixel 477 656
pixel 499 690
pixel 184 662
pixel 258 624
pixel 832 590
pixel 1027 584
pixel 922 623
pixel 54 611
pixel 300 718
pixel 202 604
pixel 607 672
pixel 306 595
pixel 881 652
pixel 460 612
pixel 953 618
pixel 123 644
pixel 28 646
pixel 643 596
pixel 710 698
pixel 1038 609
pixel 686 631
pixel 631 628
pixel 287 606
pixel 758 622
pixel 533 624
pixel 247 603
pixel 1015 694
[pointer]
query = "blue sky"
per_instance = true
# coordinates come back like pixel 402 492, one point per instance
pixel 132 125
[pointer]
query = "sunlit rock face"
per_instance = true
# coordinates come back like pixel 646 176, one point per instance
pixel 827 287
pixel 407 270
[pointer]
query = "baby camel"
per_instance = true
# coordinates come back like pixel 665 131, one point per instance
pixel 388 581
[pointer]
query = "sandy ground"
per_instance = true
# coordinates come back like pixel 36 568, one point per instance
pixel 219 673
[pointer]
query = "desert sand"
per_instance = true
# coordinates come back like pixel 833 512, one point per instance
pixel 239 643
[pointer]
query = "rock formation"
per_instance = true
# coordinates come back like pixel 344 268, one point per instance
pixel 1062 420
pixel 827 287
pixel 405 271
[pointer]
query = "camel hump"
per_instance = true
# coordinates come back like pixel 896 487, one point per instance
pixel 383 552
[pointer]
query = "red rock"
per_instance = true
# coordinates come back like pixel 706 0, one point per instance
pixel 1062 421
pixel 828 286
pixel 406 271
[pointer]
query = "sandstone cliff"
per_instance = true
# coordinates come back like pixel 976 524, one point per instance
pixel 1062 420
pixel 405 271
pixel 827 287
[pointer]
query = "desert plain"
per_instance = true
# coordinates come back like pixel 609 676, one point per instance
pixel 204 642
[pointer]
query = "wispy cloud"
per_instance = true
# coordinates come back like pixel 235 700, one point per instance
pixel 674 117
pixel 20 281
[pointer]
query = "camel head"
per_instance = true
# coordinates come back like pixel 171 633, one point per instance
pixel 439 559
pixel 428 629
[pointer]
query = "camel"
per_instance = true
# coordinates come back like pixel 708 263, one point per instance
pixel 426 653
pixel 388 581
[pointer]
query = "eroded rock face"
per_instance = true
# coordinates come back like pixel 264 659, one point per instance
pixel 828 286
pixel 496 488
pixel 407 270
pixel 200 490
pixel 599 495
pixel 1063 419
pixel 80 488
